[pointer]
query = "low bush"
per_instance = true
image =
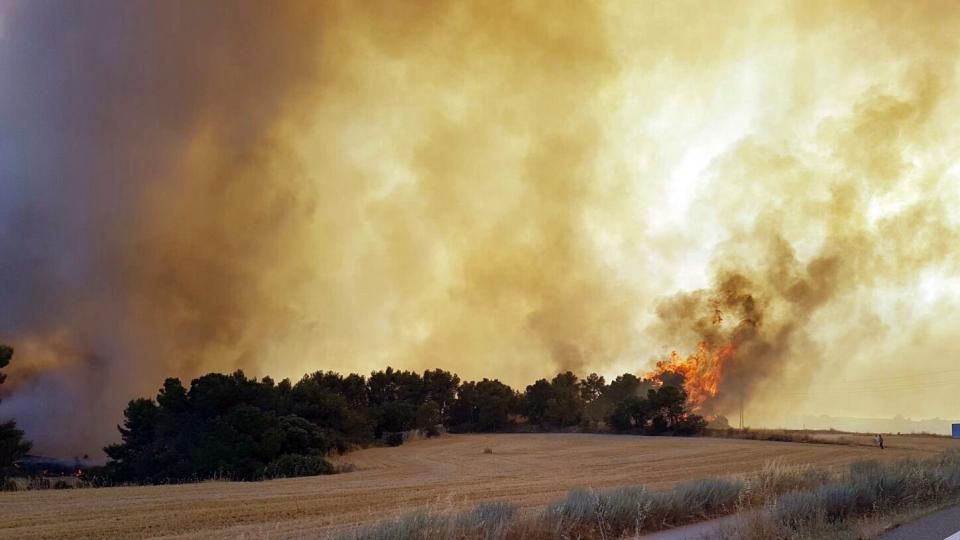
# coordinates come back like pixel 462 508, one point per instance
pixel 9 484
pixel 775 478
pixel 292 465
pixel 345 468
pixel 393 439
pixel 420 525
pixel 490 520
pixel 38 483
pixel 634 509
pixel 486 521
pixel 587 513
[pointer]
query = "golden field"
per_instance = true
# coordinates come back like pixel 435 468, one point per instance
pixel 453 471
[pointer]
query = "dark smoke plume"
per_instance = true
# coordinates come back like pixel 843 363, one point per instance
pixel 765 299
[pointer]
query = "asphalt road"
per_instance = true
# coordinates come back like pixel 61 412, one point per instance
pixel 936 526
pixel 707 530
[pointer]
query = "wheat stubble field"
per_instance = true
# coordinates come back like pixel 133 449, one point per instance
pixel 453 471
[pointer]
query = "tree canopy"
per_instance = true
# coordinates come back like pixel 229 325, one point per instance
pixel 233 426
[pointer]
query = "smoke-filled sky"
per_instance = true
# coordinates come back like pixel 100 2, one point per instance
pixel 498 190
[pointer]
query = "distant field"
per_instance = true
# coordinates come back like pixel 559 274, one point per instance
pixel 528 469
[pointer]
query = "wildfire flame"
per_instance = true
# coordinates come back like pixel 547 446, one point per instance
pixel 702 371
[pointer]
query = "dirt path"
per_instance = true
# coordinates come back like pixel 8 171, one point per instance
pixel 451 472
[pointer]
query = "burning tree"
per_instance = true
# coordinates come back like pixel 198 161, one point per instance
pixel 701 372
pixel 12 444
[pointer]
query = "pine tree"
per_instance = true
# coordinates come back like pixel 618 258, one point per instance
pixel 12 444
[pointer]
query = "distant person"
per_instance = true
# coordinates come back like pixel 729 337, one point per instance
pixel 880 440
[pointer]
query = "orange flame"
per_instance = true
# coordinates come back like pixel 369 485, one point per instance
pixel 702 371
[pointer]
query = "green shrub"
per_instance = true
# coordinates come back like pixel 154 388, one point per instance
pixel 491 519
pixel 624 511
pixel 416 526
pixel 345 468
pixel 488 520
pixel 695 499
pixel 579 506
pixel 9 484
pixel 795 510
pixel 393 439
pixel 692 424
pixel 838 501
pixel 775 479
pixel 631 510
pixel 293 465
pixel 38 483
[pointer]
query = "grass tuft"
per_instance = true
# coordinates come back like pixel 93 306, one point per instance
pixel 486 521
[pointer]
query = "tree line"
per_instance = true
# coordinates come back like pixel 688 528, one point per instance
pixel 12 444
pixel 236 427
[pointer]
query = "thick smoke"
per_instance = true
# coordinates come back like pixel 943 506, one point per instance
pixel 765 298
pixel 144 196
pixel 192 187
pixel 291 186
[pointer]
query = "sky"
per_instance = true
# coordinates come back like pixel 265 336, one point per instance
pixel 502 192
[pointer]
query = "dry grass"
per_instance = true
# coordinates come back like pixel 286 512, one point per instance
pixel 858 502
pixel 922 442
pixel 757 526
pixel 529 471
pixel 626 511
